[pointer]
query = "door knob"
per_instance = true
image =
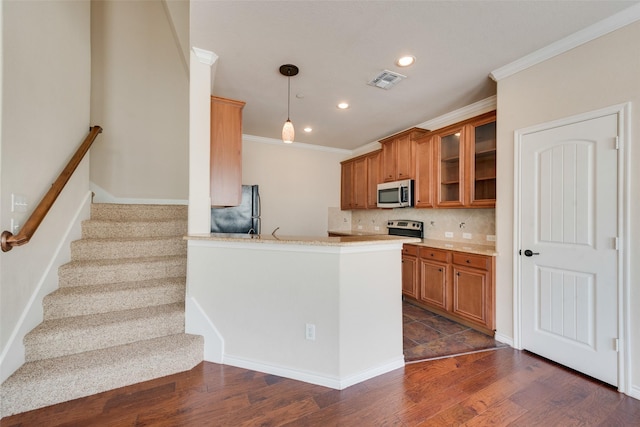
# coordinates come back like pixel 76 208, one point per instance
pixel 529 252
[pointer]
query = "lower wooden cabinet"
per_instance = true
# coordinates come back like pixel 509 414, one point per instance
pixel 434 276
pixel 457 285
pixel 410 271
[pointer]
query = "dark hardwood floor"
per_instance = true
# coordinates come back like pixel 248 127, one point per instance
pixel 502 387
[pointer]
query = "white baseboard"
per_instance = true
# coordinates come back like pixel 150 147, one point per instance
pixel 198 323
pixel 503 339
pixel 634 392
pixel 103 196
pixel 13 355
pixel 337 383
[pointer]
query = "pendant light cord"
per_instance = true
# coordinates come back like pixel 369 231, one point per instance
pixel 288 96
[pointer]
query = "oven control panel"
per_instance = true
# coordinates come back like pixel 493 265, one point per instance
pixel 405 227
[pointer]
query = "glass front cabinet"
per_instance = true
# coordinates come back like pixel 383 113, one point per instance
pixel 466 163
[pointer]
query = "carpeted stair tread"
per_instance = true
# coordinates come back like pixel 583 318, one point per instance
pixel 117 317
pixel 93 228
pixel 98 272
pixel 56 380
pixel 84 300
pixel 120 248
pixel 122 212
pixel 70 335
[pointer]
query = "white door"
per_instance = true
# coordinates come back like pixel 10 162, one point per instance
pixel 568 218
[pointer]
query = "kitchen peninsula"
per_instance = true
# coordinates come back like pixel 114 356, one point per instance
pixel 324 310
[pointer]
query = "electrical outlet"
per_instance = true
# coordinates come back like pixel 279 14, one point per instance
pixel 466 235
pixel 448 234
pixel 310 331
pixel 15 225
pixel 359 227
pixel 491 237
pixel 376 228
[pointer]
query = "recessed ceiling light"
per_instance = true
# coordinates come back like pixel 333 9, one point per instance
pixel 308 129
pixel 343 106
pixel 405 61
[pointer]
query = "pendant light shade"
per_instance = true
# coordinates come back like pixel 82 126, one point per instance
pixel 288 133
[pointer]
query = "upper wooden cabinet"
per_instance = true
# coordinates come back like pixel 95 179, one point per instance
pixel 453 167
pixel 398 154
pixel 465 157
pixel 424 192
pixel 359 182
pixel 226 152
pixel 374 177
pixel 483 163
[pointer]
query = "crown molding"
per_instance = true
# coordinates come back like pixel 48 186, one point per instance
pixel 205 56
pixel 464 113
pixel 301 145
pixel 366 148
pixel 592 32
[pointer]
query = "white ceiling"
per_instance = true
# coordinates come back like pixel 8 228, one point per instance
pixel 341 45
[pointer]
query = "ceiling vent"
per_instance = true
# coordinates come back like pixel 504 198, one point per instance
pixel 386 79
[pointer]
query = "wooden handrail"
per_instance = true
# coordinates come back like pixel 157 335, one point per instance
pixel 31 225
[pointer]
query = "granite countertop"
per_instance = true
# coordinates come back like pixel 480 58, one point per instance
pixel 472 248
pixel 347 240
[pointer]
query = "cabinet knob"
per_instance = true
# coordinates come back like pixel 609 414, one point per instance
pixel 440 270
pixel 468 261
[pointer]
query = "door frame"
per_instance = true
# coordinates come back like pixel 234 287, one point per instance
pixel 624 336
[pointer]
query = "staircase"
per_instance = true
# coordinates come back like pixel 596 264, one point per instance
pixel 118 315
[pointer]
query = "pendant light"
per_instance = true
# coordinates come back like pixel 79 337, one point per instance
pixel 288 133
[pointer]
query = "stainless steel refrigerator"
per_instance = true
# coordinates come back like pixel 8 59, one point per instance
pixel 244 218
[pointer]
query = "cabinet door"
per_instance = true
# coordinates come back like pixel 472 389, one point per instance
pixel 359 189
pixel 346 185
pixel 226 152
pixel 410 276
pixel 433 284
pixel 404 157
pixel 450 171
pixel 389 161
pixel 424 173
pixel 374 167
pixel 471 296
pixel 482 174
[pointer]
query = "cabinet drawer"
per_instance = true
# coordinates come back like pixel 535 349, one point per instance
pixel 476 261
pixel 434 254
pixel 410 250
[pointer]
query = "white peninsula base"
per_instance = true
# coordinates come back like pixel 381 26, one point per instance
pixel 255 301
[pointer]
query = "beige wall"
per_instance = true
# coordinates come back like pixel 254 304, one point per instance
pixel 297 185
pixel 601 73
pixel 140 96
pixel 45 116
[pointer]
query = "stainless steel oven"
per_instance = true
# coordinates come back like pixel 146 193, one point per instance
pixel 406 228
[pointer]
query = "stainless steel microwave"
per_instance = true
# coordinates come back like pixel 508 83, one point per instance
pixel 396 194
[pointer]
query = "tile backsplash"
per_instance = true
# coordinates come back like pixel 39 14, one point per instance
pixel 463 225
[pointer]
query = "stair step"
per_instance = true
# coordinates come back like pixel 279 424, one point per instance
pixel 66 336
pixel 120 248
pixel 121 212
pixel 85 300
pixel 100 272
pixel 99 228
pixel 51 381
